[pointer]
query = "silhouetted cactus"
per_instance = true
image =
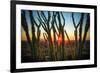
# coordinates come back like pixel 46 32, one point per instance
pixel 76 27
pixel 80 45
pixel 25 26
pixel 54 34
pixel 38 33
pixel 47 27
pixel 76 32
pixel 45 37
pixel 53 27
pixel 87 26
pixel 80 34
pixel 60 28
pixel 68 38
pixel 70 50
pixel 34 49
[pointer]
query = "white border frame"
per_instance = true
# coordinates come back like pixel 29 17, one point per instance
pixel 20 65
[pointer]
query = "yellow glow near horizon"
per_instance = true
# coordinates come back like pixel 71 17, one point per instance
pixel 71 36
pixel 23 35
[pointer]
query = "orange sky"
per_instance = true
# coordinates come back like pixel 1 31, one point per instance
pixel 71 36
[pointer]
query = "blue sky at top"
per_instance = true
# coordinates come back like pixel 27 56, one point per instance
pixel 68 20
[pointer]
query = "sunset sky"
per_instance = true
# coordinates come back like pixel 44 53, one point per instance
pixel 68 24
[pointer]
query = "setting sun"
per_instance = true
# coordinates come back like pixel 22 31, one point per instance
pixel 59 39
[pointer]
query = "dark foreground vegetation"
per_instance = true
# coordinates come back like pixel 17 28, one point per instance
pixel 43 52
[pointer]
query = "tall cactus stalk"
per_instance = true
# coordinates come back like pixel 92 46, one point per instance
pixel 54 34
pixel 47 57
pixel 25 26
pixel 68 37
pixel 53 27
pixel 70 50
pixel 38 34
pixel 86 29
pixel 80 35
pixel 45 37
pixel 46 26
pixel 33 36
pixel 60 28
pixel 76 32
pixel 81 40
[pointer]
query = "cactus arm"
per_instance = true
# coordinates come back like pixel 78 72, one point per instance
pixel 73 20
pixel 63 19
